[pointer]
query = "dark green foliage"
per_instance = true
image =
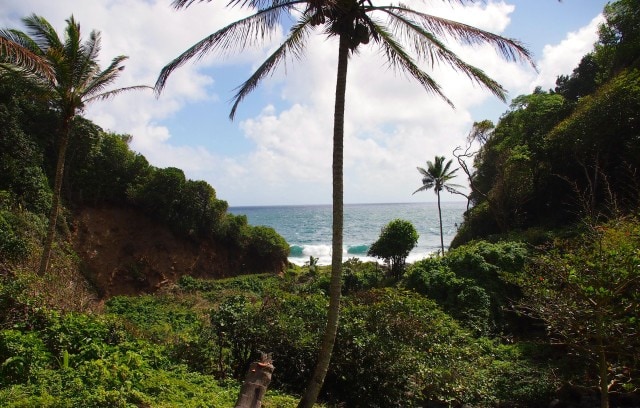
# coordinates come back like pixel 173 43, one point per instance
pixel 266 249
pixel 472 283
pixel 102 168
pixel 618 44
pixel 155 318
pixel 525 373
pixel 21 355
pixel 160 193
pixel 79 361
pixel 359 276
pixel 198 211
pixel 21 158
pixel 479 223
pixel 490 266
pixel 191 209
pixel 557 156
pixel 20 229
pixel 582 82
pixel 513 169
pixel 394 348
pixel 460 297
pixel 12 246
pixel 587 292
pixel 602 135
pixel 396 241
pixel 255 284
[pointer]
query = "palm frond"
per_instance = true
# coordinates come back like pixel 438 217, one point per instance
pixel 87 69
pixel 423 172
pixel 399 58
pixel 451 188
pixel 232 38
pixel 98 81
pixel 424 187
pixel 293 44
pixel 42 32
pixel 114 92
pixel 258 4
pixel 432 49
pixel 510 49
pixel 445 171
pixel 23 58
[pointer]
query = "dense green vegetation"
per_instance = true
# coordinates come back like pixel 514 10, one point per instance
pixel 540 292
pixel 103 170
pixel 556 156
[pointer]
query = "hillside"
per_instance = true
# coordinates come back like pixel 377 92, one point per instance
pixel 125 252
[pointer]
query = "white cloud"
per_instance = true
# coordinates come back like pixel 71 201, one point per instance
pixel 562 58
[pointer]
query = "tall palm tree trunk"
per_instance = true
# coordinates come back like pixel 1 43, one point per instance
pixel 328 340
pixel 440 217
pixel 55 201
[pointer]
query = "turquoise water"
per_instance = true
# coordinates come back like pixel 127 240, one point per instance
pixel 307 228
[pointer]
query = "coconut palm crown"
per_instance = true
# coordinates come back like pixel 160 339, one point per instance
pixel 408 39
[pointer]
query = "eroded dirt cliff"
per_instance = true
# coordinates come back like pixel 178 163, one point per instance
pixel 125 252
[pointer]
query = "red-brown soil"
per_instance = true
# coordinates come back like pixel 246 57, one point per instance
pixel 125 252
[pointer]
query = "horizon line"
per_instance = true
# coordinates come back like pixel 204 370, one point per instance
pixel 346 204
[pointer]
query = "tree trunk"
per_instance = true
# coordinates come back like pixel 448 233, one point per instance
pixel 256 382
pixel 328 339
pixel 440 217
pixel 55 202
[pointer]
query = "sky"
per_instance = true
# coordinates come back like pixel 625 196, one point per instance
pixel 278 149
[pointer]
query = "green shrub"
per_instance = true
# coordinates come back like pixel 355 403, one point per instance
pixel 358 276
pixel 21 354
pixel 266 250
pixel 255 284
pixel 12 246
pixel 155 318
pixel 478 223
pixel 460 297
pixel 396 241
pixel 397 349
pixel 491 267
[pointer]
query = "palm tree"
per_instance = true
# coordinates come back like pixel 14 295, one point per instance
pixel 406 37
pixel 436 177
pixel 76 81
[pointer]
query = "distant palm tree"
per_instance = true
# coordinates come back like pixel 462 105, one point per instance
pixel 436 177
pixel 76 81
pixel 404 36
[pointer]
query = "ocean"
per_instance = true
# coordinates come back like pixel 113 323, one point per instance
pixel 307 228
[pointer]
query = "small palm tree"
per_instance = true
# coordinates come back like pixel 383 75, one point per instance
pixel 406 37
pixel 436 177
pixel 69 79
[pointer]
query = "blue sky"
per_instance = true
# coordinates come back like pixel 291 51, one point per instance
pixel 278 149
